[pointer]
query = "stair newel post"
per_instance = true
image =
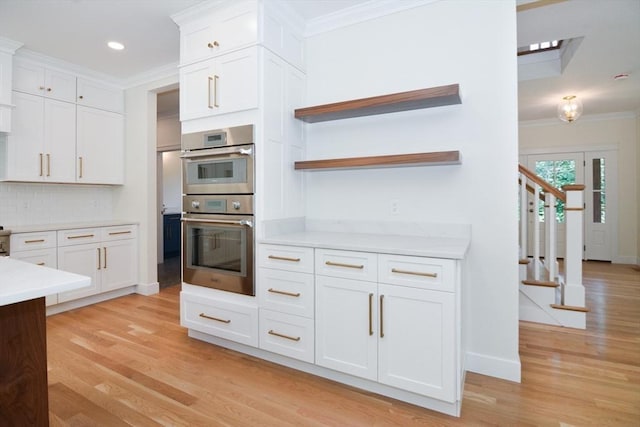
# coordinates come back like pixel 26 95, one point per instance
pixel 574 217
pixel 524 200
pixel 536 232
pixel 550 237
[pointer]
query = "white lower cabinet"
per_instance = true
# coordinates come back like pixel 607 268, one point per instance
pixel 36 248
pixel 83 259
pixel 287 334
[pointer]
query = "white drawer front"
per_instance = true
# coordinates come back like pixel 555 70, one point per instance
pixel 234 322
pixel 286 291
pixel 290 258
pixel 121 232
pixel 291 336
pixel 347 264
pixel 78 236
pixel 417 272
pixel 29 241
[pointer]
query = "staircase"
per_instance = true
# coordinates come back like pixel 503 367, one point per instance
pixel 550 294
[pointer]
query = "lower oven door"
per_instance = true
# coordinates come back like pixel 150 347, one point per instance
pixel 217 252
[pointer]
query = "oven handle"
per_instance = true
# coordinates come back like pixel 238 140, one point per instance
pixel 217 152
pixel 246 222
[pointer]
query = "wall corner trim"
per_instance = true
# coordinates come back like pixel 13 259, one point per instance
pixel 492 366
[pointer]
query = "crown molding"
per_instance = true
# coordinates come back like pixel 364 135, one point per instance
pixel 359 13
pixel 9 46
pixel 196 11
pixel 158 73
pixel 589 118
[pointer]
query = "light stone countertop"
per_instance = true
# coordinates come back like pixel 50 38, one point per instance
pixel 66 226
pixel 434 247
pixel 22 281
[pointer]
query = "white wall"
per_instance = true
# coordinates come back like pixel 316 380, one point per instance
pixel 31 203
pixel 172 181
pixel 585 133
pixel 467 42
pixel 137 199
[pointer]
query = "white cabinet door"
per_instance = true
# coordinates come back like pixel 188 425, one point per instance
pixel 26 142
pixel 6 71
pixel 81 259
pixel 119 264
pixel 35 79
pixel 96 95
pixel 59 163
pixel 346 326
pixel 100 146
pixel 221 85
pixel 417 341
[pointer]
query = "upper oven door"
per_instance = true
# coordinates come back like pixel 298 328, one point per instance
pixel 227 170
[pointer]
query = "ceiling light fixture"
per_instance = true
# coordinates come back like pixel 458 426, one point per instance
pixel 569 109
pixel 115 45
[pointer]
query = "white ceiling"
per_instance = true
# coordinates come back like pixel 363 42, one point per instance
pixel 76 31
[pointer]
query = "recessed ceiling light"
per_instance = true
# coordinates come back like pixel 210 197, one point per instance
pixel 115 45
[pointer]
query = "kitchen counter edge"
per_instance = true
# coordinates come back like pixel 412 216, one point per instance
pixel 67 226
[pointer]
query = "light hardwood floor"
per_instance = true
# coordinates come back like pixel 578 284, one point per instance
pixel 128 362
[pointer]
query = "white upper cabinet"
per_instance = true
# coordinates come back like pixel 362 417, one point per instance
pixel 30 77
pixel 100 146
pixel 224 30
pixel 98 95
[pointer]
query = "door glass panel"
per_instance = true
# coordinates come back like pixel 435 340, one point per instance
pixel 219 248
pixel 556 173
pixel 599 185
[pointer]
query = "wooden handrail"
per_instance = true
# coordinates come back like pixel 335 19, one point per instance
pixel 542 183
pixel 532 190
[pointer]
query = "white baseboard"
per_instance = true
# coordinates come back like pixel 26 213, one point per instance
pixel 626 260
pixel 493 366
pixel 148 289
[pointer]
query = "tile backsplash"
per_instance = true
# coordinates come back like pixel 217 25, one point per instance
pixel 33 203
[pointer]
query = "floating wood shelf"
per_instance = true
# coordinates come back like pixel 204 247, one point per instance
pixel 403 101
pixel 395 160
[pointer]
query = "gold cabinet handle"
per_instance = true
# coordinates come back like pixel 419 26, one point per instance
pixel 291 294
pixel 414 273
pixel 35 241
pixel 40 263
pixel 80 236
pixel 215 318
pixel 381 316
pixel 209 80
pixel 105 258
pixel 284 258
pixel 80 159
pixel 99 260
pixel 370 314
pixel 41 87
pixel 213 44
pixel 41 167
pixel 48 164
pixel 272 332
pixel 215 91
pixel 48 89
pixel 81 97
pixel 339 264
pixel 115 233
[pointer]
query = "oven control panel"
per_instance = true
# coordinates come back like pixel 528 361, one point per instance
pixel 223 204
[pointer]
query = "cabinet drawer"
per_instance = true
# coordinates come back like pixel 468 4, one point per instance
pixel 291 336
pixel 417 272
pixel 121 232
pixel 78 236
pixel 29 241
pixel 231 321
pixel 290 258
pixel 46 256
pixel 286 291
pixel 347 264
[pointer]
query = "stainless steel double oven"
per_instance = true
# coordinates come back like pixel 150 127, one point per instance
pixel 217 205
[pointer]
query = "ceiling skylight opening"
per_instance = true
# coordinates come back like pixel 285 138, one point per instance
pixel 115 45
pixel 540 47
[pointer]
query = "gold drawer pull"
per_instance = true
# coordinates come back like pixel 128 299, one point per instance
pixel 40 263
pixel 271 332
pixel 415 273
pixel 34 241
pixel 115 233
pixel 370 314
pixel 339 264
pixel 214 318
pixel 284 258
pixel 81 236
pixel 291 294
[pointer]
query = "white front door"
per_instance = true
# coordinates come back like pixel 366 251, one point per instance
pixel 557 169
